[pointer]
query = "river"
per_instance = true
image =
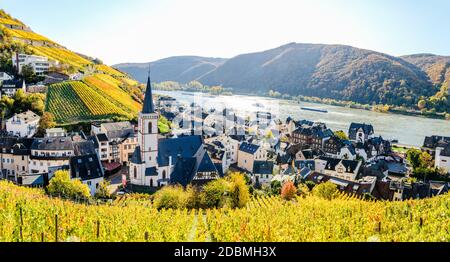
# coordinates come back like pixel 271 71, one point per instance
pixel 409 130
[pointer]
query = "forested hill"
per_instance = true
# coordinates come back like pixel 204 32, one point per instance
pixel 325 71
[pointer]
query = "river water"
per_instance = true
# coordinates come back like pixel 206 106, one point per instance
pixel 409 130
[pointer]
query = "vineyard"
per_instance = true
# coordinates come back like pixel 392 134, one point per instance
pixel 80 103
pixel 28 35
pixel 28 215
pixel 7 21
pixel 109 87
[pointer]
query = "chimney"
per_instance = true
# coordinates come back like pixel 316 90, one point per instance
pixel 170 161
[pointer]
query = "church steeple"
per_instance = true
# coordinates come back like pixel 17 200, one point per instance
pixel 148 100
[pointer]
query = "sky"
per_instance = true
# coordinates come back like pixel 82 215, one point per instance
pixel 118 31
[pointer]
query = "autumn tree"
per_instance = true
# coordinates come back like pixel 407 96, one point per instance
pixel 288 191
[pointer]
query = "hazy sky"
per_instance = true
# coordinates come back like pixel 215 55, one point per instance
pixel 145 30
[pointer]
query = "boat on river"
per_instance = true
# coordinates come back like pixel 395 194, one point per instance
pixel 314 110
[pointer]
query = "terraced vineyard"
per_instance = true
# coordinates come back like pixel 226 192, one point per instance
pixel 109 87
pixel 264 219
pixel 80 102
pixel 28 35
pixel 7 21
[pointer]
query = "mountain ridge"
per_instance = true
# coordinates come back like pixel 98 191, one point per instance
pixel 327 71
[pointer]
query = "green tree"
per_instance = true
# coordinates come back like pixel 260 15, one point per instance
pixel 413 156
pixel 28 73
pixel 62 186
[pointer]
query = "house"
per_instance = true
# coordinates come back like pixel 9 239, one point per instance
pixel 40 64
pixel 10 87
pixel 340 168
pixel 229 145
pixel 313 136
pixel 117 141
pixel 360 132
pixel 88 169
pixel 50 153
pixel 23 125
pixel 159 161
pixel 442 157
pixel 431 142
pixel 262 172
pixel 55 132
pixel 249 153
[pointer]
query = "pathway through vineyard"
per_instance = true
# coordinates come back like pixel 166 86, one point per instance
pixel 199 231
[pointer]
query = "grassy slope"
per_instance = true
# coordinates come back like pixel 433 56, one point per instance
pixel 308 219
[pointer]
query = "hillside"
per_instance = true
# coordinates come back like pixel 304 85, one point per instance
pixel 326 71
pixel 103 93
pixel 305 220
pixel 437 67
pixel 180 69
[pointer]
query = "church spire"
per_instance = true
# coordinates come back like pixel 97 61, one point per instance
pixel 148 100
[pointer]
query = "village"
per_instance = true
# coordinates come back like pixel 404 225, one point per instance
pixel 205 145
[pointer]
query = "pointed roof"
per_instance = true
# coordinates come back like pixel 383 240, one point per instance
pixel 148 100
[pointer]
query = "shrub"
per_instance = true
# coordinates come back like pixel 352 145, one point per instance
pixel 288 191
pixel 326 190
pixel 171 197
pixel 62 186
pixel 103 191
pixel 276 187
pixel 215 193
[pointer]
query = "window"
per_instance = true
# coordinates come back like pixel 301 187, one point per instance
pixel 150 127
pixel 135 172
pixel 151 182
pixel 164 175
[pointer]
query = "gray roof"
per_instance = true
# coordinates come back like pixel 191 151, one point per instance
pixel 53 143
pixel 148 100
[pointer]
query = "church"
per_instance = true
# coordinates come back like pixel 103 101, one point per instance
pixel 157 161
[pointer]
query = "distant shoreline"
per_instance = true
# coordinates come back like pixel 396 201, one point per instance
pixel 370 107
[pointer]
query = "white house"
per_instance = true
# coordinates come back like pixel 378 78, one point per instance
pixel 55 132
pixel 40 64
pixel 442 158
pixel 340 168
pixel 23 125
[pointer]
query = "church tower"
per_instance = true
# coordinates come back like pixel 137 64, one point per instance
pixel 148 129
